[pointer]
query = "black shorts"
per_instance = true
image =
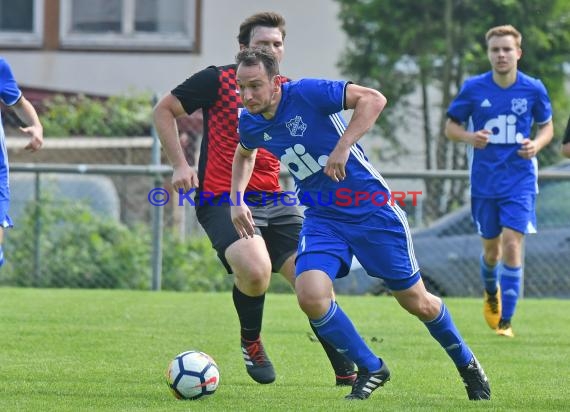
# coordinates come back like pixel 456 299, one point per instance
pixel 278 224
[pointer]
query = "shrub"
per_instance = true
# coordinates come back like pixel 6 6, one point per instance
pixel 80 249
pixel 127 115
pixel 192 265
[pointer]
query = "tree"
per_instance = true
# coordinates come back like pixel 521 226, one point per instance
pixel 404 47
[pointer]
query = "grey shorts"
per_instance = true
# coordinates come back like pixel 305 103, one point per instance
pixel 278 224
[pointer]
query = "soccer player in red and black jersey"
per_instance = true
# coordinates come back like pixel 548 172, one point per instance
pixel 274 247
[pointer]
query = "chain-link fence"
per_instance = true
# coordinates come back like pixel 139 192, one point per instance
pixel 72 230
pixel 448 248
pixel 96 226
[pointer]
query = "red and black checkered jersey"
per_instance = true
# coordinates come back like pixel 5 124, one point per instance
pixel 214 90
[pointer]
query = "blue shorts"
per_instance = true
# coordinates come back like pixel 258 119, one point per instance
pixel 490 216
pixel 5 220
pixel 382 243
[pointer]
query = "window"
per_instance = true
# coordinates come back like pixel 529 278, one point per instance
pixel 128 24
pixel 21 23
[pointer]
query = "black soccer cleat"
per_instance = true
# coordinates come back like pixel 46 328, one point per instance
pixel 475 381
pixel 257 364
pixel 346 379
pixel 367 382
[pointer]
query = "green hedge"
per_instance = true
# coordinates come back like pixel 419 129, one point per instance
pixel 126 115
pixel 81 249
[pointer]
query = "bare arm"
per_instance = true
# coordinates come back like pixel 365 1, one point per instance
pixel 164 115
pixel 28 115
pixel 530 148
pixel 242 169
pixel 367 104
pixel 457 133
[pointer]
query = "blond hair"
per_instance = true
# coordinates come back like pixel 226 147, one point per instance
pixel 505 30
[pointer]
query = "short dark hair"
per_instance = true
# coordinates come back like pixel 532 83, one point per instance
pixel 259 55
pixel 264 19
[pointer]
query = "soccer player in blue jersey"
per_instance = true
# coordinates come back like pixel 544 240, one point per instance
pixel 214 91
pixel 494 113
pixel 12 97
pixel 300 123
pixel 566 141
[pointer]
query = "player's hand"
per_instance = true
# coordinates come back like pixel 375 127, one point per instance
pixel 480 139
pixel 184 177
pixel 37 139
pixel 335 167
pixel 242 220
pixel 528 149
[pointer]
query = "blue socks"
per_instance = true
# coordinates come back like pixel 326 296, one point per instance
pixel 337 329
pixel 510 280
pixel 340 332
pixel 489 276
pixel 510 289
pixel 444 331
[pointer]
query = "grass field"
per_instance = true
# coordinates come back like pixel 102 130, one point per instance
pixel 99 350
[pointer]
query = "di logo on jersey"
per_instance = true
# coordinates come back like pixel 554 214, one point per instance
pixel 504 129
pixel 300 163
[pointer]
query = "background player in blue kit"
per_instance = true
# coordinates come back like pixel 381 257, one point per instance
pixel 494 113
pixel 299 122
pixel 12 96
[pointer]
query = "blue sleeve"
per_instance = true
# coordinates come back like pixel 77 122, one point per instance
pixel 542 110
pixel 327 96
pixel 461 107
pixel 9 91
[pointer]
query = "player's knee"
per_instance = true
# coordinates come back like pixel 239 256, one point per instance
pixel 314 306
pixel 512 250
pixel 492 256
pixel 253 279
pixel 425 308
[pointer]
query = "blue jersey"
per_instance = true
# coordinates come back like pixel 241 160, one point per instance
pixel 304 131
pixel 497 170
pixel 9 94
pixel 9 91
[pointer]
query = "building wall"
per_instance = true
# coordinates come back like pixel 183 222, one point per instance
pixel 313 45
